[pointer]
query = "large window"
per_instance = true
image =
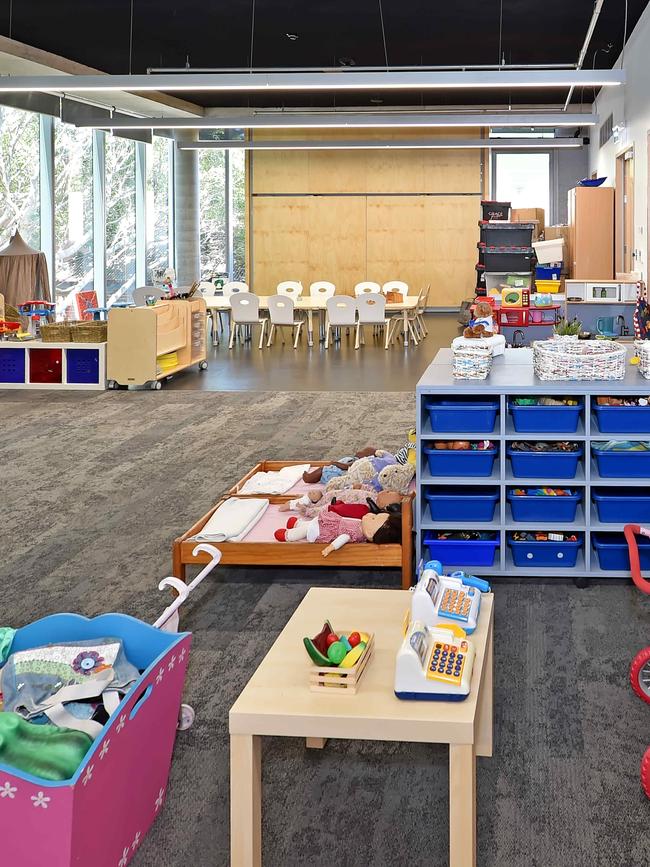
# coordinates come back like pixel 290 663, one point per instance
pixel 73 213
pixel 212 176
pixel 157 208
pixel 120 219
pixel 238 174
pixel 19 175
pixel 524 179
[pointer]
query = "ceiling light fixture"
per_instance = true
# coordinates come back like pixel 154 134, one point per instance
pixel 396 144
pixel 292 36
pixel 327 81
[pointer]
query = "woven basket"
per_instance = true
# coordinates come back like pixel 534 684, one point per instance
pixel 472 362
pixel 56 332
pixel 643 351
pixel 89 332
pixel 564 359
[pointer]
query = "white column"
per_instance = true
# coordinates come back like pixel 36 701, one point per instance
pixel 186 212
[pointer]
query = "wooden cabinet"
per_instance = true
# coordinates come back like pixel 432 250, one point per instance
pixel 591 233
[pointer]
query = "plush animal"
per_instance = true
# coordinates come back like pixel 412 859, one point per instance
pixel 311 503
pixel 323 475
pixel 482 325
pixel 365 473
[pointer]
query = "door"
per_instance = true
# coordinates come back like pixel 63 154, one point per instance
pixel 625 212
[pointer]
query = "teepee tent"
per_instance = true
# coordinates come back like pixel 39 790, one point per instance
pixel 23 273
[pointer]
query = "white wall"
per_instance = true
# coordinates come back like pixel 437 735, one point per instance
pixel 630 105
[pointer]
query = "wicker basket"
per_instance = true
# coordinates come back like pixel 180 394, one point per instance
pixel 562 359
pixel 472 362
pixel 643 351
pixel 89 332
pixel 56 332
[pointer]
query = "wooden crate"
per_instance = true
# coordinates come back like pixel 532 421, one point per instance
pixel 341 681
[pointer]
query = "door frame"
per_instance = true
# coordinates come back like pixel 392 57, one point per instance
pixel 624 231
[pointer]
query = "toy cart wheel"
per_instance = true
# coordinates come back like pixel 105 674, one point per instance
pixel 203 365
pixel 640 674
pixel 111 384
pixel 156 386
pixel 185 718
pixel 645 772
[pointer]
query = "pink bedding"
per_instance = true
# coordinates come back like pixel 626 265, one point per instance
pixel 271 520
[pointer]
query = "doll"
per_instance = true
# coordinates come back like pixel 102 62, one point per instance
pixel 381 472
pixel 482 325
pixel 323 475
pixel 335 526
pixel 311 503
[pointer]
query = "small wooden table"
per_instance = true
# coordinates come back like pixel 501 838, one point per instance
pixel 277 702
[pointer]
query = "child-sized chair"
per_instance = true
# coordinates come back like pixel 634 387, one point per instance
pixel 341 312
pixel 396 286
pixel 245 310
pixel 233 287
pixel 293 288
pixel 322 289
pixel 281 313
pixel 371 309
pixel 365 287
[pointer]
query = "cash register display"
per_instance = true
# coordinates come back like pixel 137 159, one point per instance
pixel 419 645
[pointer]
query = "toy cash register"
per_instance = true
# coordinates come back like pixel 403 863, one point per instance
pixel 434 664
pixel 438 598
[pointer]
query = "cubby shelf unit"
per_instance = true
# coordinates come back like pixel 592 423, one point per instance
pixel 512 375
pixel 36 364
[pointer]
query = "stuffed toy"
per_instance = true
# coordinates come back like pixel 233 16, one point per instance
pixel 340 523
pixel 482 325
pixel 311 503
pixel 369 472
pixel 323 475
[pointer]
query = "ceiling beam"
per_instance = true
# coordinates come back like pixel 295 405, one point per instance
pixel 370 144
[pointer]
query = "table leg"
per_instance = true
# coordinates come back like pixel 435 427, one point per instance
pixel 310 328
pixel 245 801
pixel 405 327
pixel 462 805
pixel 315 743
pixel 484 721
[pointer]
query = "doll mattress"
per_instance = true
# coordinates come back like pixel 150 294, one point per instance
pixel 271 520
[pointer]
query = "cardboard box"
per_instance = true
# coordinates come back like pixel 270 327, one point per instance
pixel 553 232
pixel 530 215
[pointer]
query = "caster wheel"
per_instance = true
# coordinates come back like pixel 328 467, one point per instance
pixel 581 582
pixel 640 675
pixel 203 365
pixel 185 718
pixel 645 772
pixel 156 386
pixel 111 384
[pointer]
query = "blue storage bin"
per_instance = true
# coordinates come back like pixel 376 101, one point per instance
pixel 462 553
pixel 12 364
pixel 549 272
pixel 623 419
pixel 622 465
pixel 622 505
pixel 558 555
pixel 82 365
pixel 546 419
pixel 462 504
pixel 534 508
pixel 613 553
pixel 460 463
pixel 462 416
pixel 544 465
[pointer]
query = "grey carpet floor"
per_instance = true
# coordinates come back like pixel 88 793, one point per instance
pixel 94 489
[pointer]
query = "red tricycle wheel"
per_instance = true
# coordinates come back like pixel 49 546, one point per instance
pixel 645 772
pixel 640 674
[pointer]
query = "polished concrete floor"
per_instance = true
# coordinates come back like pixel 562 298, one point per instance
pixel 339 368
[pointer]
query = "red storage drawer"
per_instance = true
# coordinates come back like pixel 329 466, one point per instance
pixel 514 316
pixel 45 365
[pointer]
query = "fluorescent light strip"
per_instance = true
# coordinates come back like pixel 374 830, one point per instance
pixel 414 144
pixel 328 81
pixel 343 120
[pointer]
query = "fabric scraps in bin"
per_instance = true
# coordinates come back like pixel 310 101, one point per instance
pixel 544 446
pixel 623 401
pixel 465 536
pixel 544 401
pixel 463 445
pixel 522 536
pixel 233 520
pixel 6 640
pixel 622 446
pixel 274 481
pixel 542 492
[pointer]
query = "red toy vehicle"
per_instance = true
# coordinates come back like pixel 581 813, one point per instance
pixel 640 668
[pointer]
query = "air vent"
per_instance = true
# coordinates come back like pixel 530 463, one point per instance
pixel 606 130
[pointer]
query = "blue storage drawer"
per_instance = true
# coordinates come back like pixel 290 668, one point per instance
pixel 544 465
pixel 12 364
pixel 82 365
pixel 623 419
pixel 558 555
pixel 462 416
pixel 462 553
pixel 545 419
pixel 538 508
pixel 622 465
pixel 613 553
pixel 622 505
pixel 549 272
pixel 462 504
pixel 460 463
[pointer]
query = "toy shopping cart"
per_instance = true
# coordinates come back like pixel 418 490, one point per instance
pixel 640 668
pixel 101 815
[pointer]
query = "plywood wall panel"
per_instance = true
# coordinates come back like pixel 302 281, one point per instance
pixel 396 242
pixel 336 245
pixel 280 171
pixel 451 233
pixel 280 241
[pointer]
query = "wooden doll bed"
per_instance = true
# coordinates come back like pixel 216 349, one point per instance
pixel 260 548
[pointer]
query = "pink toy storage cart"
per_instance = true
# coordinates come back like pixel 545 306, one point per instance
pixel 100 816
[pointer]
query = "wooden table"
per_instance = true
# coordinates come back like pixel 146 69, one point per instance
pixel 277 702
pixel 311 305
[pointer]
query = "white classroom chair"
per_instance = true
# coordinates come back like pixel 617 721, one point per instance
pixel 233 287
pixel 396 286
pixel 371 310
pixel 139 295
pixel 322 289
pixel 365 287
pixel 292 288
pixel 245 311
pixel 412 323
pixel 420 310
pixel 209 290
pixel 281 314
pixel 341 312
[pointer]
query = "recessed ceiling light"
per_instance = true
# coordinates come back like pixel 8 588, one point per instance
pixel 292 36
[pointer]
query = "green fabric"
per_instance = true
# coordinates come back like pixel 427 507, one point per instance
pixel 45 751
pixel 6 640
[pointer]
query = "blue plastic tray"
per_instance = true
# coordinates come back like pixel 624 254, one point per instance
pixel 544 465
pixel 622 465
pixel 613 554
pixel 462 416
pixel 525 508
pixel 623 419
pixel 545 419
pixel 460 553
pixel 551 554
pixel 622 505
pixel 462 504
pixel 460 463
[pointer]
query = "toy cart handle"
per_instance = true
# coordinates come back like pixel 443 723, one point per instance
pixel 168 620
pixel 631 531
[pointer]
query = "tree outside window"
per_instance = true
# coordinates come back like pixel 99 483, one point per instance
pixel 19 176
